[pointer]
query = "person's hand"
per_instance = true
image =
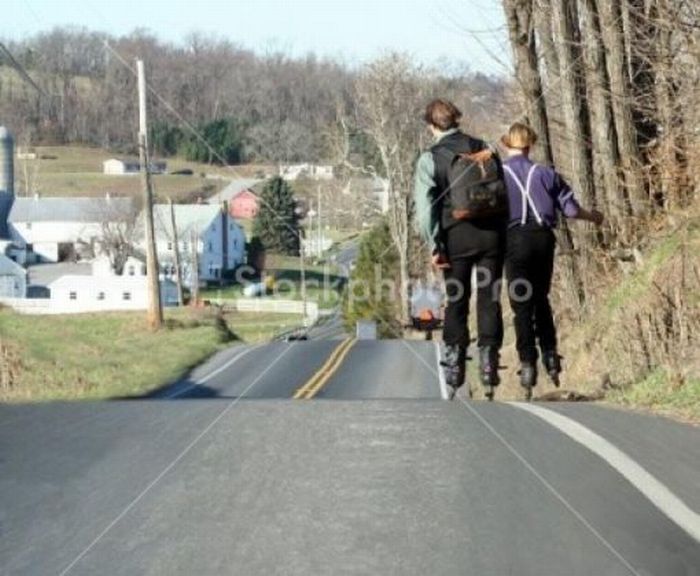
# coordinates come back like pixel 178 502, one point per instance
pixel 597 217
pixel 481 156
pixel 440 261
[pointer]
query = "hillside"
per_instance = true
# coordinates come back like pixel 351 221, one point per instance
pixel 77 171
pixel 639 343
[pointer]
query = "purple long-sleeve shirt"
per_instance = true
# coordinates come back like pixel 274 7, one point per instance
pixel 549 193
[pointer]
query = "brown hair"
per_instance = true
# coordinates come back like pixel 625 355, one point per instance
pixel 520 136
pixel 442 114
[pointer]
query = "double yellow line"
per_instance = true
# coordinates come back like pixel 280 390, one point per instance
pixel 325 373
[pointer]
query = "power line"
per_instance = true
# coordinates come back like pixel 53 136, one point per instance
pixel 20 70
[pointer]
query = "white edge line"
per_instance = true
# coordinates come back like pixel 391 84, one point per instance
pixel 652 488
pixel 441 375
pixel 209 376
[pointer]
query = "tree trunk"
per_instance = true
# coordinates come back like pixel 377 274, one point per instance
pixel 547 48
pixel 665 97
pixel 611 28
pixel 519 16
pixel 573 95
pixel 605 153
pixel 522 37
pixel 176 253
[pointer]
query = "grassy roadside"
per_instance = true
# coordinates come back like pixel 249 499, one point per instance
pixel 662 392
pixel 637 344
pixel 95 356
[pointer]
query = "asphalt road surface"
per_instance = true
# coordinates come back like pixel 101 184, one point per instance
pixel 374 473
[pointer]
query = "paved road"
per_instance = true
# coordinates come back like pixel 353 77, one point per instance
pixel 224 474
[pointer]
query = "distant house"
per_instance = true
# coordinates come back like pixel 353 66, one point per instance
pixel 244 205
pixel 238 194
pixel 306 170
pixel 380 191
pixel 218 239
pixel 86 287
pixel 119 167
pixel 59 229
pixel 13 279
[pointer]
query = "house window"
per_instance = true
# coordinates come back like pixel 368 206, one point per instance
pixel 73 295
pixel 170 245
pixel 126 296
pixel 132 271
pixel 100 295
pixel 184 246
pixel 210 248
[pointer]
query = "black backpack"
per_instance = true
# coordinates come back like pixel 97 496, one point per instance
pixel 476 189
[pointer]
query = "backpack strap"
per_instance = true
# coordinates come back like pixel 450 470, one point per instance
pixel 525 193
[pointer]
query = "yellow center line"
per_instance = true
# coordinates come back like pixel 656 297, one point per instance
pixel 326 372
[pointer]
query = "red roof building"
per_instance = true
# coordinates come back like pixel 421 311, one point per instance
pixel 243 205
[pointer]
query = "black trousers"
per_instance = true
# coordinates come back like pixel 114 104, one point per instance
pixel 529 267
pixel 489 317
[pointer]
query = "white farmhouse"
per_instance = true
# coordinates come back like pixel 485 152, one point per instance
pixel 13 279
pixel 59 229
pixel 217 238
pixel 104 290
pixel 121 167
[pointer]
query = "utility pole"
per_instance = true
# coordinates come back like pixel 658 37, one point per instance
pixel 318 191
pixel 302 270
pixel 194 298
pixel 155 307
pixel 176 248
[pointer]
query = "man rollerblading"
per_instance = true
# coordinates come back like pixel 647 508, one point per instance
pixel 466 233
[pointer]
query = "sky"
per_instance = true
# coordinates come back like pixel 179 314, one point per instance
pixel 448 32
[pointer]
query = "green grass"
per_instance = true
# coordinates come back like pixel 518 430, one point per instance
pixel 77 171
pixel 323 285
pixel 602 346
pixel 661 392
pixel 113 354
pixel 638 283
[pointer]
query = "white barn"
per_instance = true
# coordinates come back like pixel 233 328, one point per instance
pixel 120 167
pixel 103 290
pixel 58 229
pixel 220 241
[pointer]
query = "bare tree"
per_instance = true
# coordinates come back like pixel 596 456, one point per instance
pixel 390 93
pixel 520 19
pixel 604 145
pixel 118 219
pixel 612 34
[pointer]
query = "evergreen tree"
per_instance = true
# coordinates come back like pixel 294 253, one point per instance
pixel 277 222
pixel 222 143
pixel 372 293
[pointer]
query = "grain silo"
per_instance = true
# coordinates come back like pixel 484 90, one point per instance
pixel 7 177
